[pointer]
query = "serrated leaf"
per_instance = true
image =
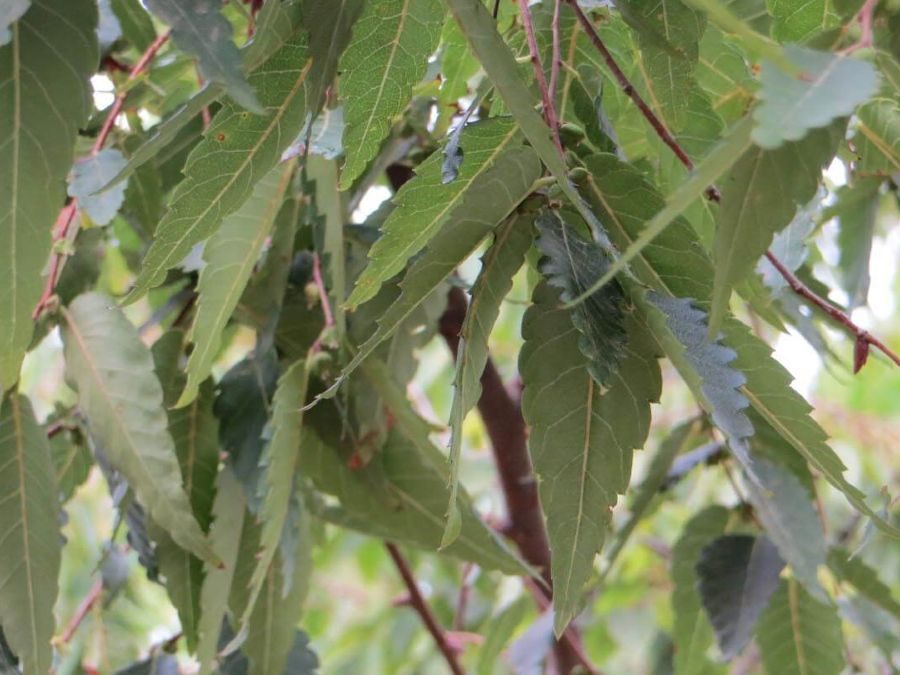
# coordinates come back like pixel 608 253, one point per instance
pixel 392 41
pixel 230 256
pixel 798 635
pixel 692 633
pixel 29 528
pixel 90 174
pixel 797 20
pixel 825 87
pixel 760 196
pixel 118 391
pixel 199 29
pixel 498 267
pixel 573 264
pixel 877 139
pixel 737 575
pixel 280 463
pixel 426 204
pixel 44 100
pixel 488 203
pixel 582 437
pixel 854 571
pixel 224 537
pixel 400 495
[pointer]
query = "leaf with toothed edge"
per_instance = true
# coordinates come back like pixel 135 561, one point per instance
pixel 498 267
pixel 582 438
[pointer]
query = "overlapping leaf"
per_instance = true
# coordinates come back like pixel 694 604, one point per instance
pixel 388 55
pixel 118 391
pixel 44 100
pixel 426 204
pixel 29 529
pixel 498 266
pixel 797 20
pixel 89 175
pixel 854 571
pixel 877 139
pixel 582 436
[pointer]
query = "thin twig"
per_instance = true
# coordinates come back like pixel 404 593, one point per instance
pixel 864 16
pixel 62 227
pixel 417 602
pixel 549 107
pixel 323 292
pixel 864 338
pixel 84 607
pixel 462 600
pixel 556 58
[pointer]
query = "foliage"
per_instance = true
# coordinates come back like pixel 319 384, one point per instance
pixel 229 282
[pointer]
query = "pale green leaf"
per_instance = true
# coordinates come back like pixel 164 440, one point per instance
pixel 29 529
pixel 137 26
pixel 724 75
pixel 877 139
pixel 498 267
pixel 854 571
pixel 797 20
pixel 392 41
pixel 581 437
pixel 225 537
pixel 199 29
pixel 230 255
pixel 798 635
pixel 120 395
pixel 426 204
pixel 488 203
pixel 92 173
pixel 856 208
pixel 72 459
pixel 760 196
pixel 736 576
pixel 824 87
pixel 692 633
pixel 44 100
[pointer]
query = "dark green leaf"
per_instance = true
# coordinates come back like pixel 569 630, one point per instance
pixel 137 25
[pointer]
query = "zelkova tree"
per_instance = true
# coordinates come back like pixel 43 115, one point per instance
pixel 308 303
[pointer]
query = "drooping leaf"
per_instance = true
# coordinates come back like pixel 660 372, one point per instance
pixel 826 86
pixel 280 463
pixel 854 571
pixel 426 204
pixel 760 196
pixel 582 436
pixel 329 237
pixel 489 202
pixel 877 139
pixel 225 537
pixel 498 633
pixel 44 100
pixel 221 170
pixel 798 635
pixel 498 266
pixel 199 29
pixel 856 207
pixel 29 529
pixel 113 372
pixel 392 41
pixel 144 197
pixel 737 575
pixel 797 20
pixel 692 632
pixel 230 255
pixel 89 175
pixel 572 264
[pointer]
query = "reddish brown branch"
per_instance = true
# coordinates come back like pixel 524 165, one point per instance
pixel 549 106
pixel 417 602
pixel 864 339
pixel 84 607
pixel 864 17
pixel 556 55
pixel 63 225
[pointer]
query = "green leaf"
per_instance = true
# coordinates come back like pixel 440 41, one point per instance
pixel 29 529
pixel 88 176
pixel 498 267
pixel 856 207
pixel 877 139
pixel 72 459
pixel 488 203
pixel 199 29
pixel 144 197
pixel 823 88
pixel 137 26
pixel 401 495
pixel 225 538
pixel 798 635
pixel 723 74
pixel 736 576
pixel 45 97
pixel 760 196
pixel 854 571
pixel 572 264
pixel 668 34
pixel 498 632
pixel 582 437
pixel 692 633
pixel 426 204
pixel 230 255
pixel 280 464
pixel 112 370
pixel 797 20
pixel 388 56
pixel 329 237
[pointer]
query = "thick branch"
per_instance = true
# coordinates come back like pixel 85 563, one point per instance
pixel 417 602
